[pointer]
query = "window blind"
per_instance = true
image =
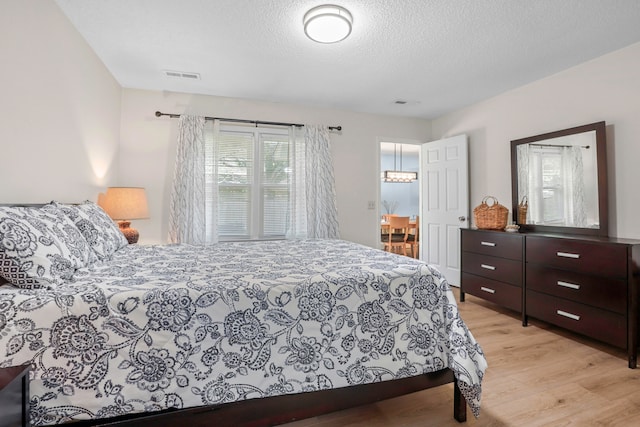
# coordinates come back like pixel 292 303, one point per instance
pixel 253 173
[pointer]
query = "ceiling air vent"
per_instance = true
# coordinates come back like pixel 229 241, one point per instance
pixel 182 75
pixel 406 102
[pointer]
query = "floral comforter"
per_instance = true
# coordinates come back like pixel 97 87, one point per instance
pixel 180 326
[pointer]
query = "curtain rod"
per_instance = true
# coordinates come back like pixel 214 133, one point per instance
pixel 255 122
pixel 561 146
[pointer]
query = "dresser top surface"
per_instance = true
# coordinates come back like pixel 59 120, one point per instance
pixel 586 238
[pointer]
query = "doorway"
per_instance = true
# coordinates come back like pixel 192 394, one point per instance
pixel 439 198
pixel 399 184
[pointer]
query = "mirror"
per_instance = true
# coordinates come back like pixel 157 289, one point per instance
pixel 561 180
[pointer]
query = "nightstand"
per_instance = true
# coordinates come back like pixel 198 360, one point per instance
pixel 14 396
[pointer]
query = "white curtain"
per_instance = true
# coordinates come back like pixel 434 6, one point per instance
pixel 211 182
pixel 187 220
pixel 530 182
pixel 298 194
pixel 322 213
pixel 573 177
pixel 194 196
pixel 522 153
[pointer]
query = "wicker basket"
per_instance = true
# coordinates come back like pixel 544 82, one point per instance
pixel 522 210
pixel 490 217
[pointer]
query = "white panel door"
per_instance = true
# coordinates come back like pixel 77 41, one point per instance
pixel 444 183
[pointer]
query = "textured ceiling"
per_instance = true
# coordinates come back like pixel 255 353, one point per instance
pixel 438 55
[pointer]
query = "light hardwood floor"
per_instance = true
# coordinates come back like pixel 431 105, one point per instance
pixel 538 375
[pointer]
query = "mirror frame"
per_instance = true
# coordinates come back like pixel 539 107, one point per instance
pixel 603 200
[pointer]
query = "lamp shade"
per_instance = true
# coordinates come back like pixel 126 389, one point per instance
pixel 124 203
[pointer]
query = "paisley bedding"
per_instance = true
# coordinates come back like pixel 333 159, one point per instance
pixel 179 326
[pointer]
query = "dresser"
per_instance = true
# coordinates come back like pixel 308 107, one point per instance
pixel 492 267
pixel 588 285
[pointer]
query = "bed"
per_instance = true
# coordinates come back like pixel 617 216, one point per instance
pixel 244 333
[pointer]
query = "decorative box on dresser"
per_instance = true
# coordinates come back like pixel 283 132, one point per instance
pixel 492 267
pixel 586 284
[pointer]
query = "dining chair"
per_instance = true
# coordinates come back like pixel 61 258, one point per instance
pixel 413 238
pixel 385 223
pixel 396 234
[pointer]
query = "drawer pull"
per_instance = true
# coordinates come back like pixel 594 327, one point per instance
pixel 567 255
pixel 569 315
pixel 568 285
pixel 489 290
pixel 487 266
pixel 487 243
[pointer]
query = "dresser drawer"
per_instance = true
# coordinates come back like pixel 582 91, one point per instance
pixel 608 260
pixel 600 324
pixel 501 269
pixel 495 243
pixel 602 292
pixel 491 290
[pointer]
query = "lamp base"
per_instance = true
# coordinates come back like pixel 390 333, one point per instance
pixel 130 233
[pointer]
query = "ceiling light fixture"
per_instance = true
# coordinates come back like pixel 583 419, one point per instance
pixel 327 23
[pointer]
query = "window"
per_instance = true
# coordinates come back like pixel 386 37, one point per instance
pixel 254 182
pixel 552 188
pixel 547 185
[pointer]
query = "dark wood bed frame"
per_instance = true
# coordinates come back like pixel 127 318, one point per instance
pixel 271 411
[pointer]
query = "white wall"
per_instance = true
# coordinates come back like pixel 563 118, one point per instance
pixel 606 88
pixel 148 144
pixel 59 109
pixel 68 129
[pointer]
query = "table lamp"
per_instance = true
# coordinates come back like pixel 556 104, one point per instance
pixel 123 204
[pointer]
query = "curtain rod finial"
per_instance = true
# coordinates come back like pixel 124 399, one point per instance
pixel 158 114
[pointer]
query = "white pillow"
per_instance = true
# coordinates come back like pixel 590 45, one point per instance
pixel 40 247
pixel 99 230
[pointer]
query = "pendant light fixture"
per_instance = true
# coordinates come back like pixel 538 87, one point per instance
pixel 327 23
pixel 398 175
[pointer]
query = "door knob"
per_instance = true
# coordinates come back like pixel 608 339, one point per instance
pixel 462 218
